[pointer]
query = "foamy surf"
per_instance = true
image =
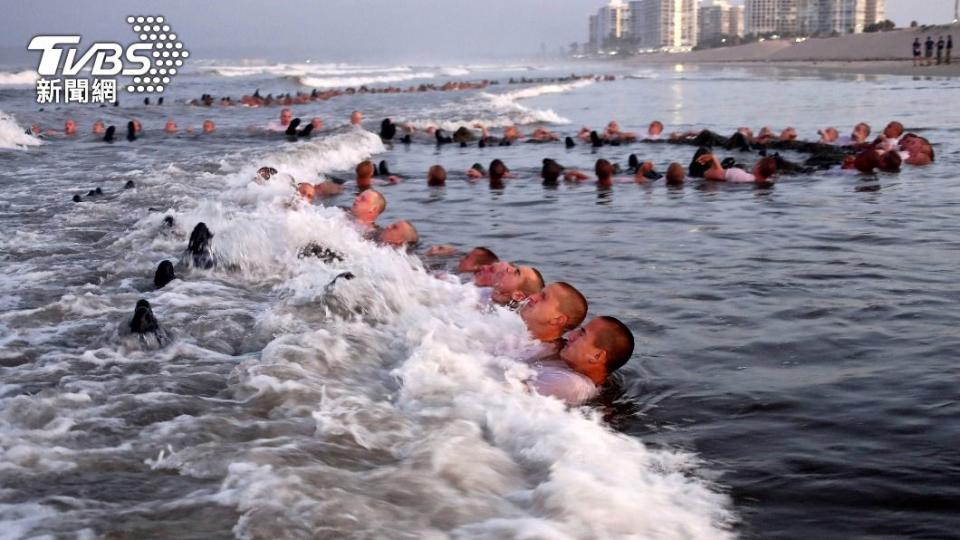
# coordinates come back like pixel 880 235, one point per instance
pixel 20 78
pixel 301 69
pixel 392 405
pixel 359 80
pixel 14 137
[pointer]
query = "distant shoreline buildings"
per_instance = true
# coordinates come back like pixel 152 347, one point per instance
pixel 642 26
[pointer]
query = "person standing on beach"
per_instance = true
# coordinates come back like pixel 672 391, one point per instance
pixel 916 51
pixel 940 45
pixel 929 50
pixel 949 47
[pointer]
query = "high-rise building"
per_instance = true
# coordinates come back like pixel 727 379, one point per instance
pixel 664 24
pixel 593 44
pixel 714 21
pixel 876 11
pixel 719 19
pixel 838 16
pixel 613 21
pixel 736 21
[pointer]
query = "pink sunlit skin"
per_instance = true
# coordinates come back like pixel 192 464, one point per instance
pixel 208 126
pixel 70 127
pixel 475 259
pixel 399 234
pixel 99 128
pixel 761 173
pixel 655 129
pixel 306 191
pixel 286 115
pixel 598 348
pixel 368 206
pixel 514 283
pixel 170 127
pixel 556 309
pixel 356 118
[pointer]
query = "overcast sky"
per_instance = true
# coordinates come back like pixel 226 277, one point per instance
pixel 347 30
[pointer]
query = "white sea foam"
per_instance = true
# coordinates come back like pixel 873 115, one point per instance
pixel 500 110
pixel 420 423
pixel 539 90
pixel 385 405
pixel 358 80
pixel 454 71
pixel 301 69
pixel 20 78
pixel 12 136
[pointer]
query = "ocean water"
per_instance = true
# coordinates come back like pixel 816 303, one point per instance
pixel 795 374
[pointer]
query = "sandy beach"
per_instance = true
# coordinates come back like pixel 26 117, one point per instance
pixel 873 53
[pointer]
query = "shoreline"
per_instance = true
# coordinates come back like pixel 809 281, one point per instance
pixel 878 53
pixel 903 68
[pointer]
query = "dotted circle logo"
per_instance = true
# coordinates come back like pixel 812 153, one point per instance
pixel 167 55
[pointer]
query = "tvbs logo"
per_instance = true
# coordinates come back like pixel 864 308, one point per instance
pixel 151 62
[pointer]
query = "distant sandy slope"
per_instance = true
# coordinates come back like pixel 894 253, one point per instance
pixel 881 52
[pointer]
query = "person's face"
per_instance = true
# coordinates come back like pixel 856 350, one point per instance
pixel 581 352
pixel 306 191
pixel 483 276
pixel 285 116
pixel 860 132
pixel 170 127
pixel 543 308
pixel 317 123
pixel 366 207
pixel 70 127
pixel 789 134
pixel 507 278
pixel 468 263
pixel 655 128
pixel 137 128
pixel 208 126
pixel 98 127
pixel 891 131
pixel 396 234
pixel 356 118
pixel 910 144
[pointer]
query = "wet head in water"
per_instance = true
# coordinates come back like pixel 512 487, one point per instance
pixel 557 309
pixel 604 171
pixel 598 348
pixel 514 283
pixel 208 126
pixel 399 234
pixel 170 127
pixel 436 176
pixel 367 206
pixel 655 129
pixel 893 130
pixel 497 172
pixel 675 174
pixel 476 258
pixel 365 171
pixel 551 172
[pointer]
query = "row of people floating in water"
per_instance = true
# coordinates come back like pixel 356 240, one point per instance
pixel 574 358
pixel 829 149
